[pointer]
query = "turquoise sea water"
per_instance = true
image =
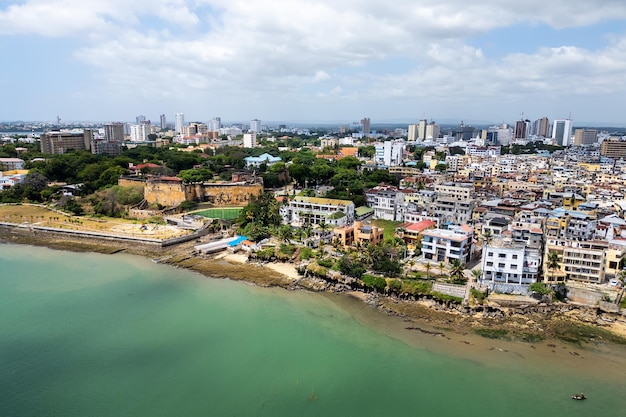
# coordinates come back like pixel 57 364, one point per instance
pixel 96 335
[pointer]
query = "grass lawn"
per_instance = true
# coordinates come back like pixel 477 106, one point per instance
pixel 388 225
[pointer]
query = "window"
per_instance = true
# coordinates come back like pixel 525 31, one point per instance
pixel 489 263
pixel 502 255
pixel 514 256
pixel 513 266
pixel 500 265
pixel 489 253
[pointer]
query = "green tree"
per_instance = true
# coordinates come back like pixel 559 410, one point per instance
pixel 456 272
pixel 554 262
pixel 428 267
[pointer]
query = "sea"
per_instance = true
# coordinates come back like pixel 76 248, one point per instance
pixel 85 334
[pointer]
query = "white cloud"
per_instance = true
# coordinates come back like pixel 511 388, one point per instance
pixel 190 49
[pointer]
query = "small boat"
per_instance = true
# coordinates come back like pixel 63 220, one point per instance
pixel 579 397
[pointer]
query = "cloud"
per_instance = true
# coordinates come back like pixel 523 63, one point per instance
pixel 254 50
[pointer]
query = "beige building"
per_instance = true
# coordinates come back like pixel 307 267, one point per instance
pixel 60 142
pixel 613 148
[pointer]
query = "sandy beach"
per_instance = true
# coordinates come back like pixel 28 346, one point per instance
pixel 286 269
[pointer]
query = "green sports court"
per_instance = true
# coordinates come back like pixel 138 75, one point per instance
pixel 224 213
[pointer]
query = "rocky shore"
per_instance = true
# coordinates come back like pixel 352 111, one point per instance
pixel 531 324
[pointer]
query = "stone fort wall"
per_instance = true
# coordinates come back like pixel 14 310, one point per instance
pixel 171 193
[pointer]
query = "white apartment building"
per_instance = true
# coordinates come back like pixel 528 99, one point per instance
pixel 310 211
pixel 508 262
pixel 441 245
pixel 387 202
pixel 389 153
pixel 139 133
pixel 179 122
pixel 249 140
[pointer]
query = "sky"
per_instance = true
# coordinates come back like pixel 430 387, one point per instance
pixel 321 61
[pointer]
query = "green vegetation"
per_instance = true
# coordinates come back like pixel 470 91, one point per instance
pixel 388 226
pixel 374 282
pixel 492 333
pixel 447 298
pixel 576 333
pixel 478 296
pixel 540 288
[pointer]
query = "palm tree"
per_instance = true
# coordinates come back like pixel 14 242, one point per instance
pixel 441 266
pixel 554 262
pixel 428 265
pixel 456 271
pixel 477 273
pixel 487 236
pixel 285 233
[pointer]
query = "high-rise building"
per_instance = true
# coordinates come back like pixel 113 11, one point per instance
pixel 215 124
pixel 432 131
pixel 249 140
pixel 179 122
pixel 163 122
pixel 114 132
pixel 412 133
pixel 59 142
pixel 365 125
pixel 562 132
pixel 613 148
pixel 521 131
pixel 139 133
pixel 140 119
pixel 255 125
pixel 541 127
pixel 421 129
pixel 585 136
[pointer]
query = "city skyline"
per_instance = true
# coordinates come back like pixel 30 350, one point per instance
pixel 313 62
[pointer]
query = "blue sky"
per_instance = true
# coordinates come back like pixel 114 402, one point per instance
pixel 323 60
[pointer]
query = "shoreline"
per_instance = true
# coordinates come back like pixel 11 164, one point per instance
pixel 427 316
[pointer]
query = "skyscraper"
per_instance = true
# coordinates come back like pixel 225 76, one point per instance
pixel 432 131
pixel 521 131
pixel 179 120
pixel 255 125
pixel 215 124
pixel 562 132
pixel 163 122
pixel 542 127
pixel 421 129
pixel 114 132
pixel 412 133
pixel 365 124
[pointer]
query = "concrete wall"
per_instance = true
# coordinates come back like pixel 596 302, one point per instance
pixel 583 296
pixel 450 289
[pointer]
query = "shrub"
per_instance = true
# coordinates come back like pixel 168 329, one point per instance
pixel 447 298
pixel 326 262
pixel 305 253
pixel 540 288
pixel 479 296
pixel 188 205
